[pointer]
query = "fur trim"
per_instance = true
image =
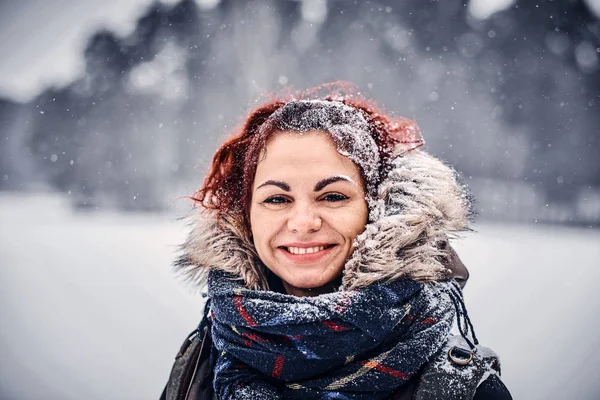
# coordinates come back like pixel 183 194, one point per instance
pixel 218 244
pixel 419 204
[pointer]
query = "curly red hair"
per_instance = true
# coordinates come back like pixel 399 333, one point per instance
pixel 227 186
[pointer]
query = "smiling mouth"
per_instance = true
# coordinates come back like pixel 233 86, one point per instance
pixel 306 250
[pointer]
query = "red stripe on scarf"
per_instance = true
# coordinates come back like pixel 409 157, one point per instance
pixel 335 326
pixel 254 337
pixel 278 366
pixel 237 300
pixel 425 321
pixel 385 370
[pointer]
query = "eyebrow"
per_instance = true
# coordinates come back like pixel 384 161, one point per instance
pixel 280 184
pixel 327 181
pixel 318 187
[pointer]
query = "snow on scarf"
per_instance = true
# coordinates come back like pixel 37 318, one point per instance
pixel 358 344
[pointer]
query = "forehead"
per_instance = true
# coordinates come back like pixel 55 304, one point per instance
pixel 291 152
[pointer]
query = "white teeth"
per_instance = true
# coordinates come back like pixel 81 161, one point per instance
pixel 305 250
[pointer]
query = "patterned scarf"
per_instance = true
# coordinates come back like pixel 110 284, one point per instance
pixel 359 344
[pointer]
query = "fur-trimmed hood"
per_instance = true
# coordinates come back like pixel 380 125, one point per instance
pixel 419 204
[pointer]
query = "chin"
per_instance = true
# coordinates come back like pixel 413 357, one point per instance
pixel 312 282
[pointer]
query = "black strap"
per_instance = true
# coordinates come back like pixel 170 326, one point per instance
pixel 192 361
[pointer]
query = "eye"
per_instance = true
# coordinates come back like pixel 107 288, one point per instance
pixel 276 200
pixel 334 197
pixel 442 245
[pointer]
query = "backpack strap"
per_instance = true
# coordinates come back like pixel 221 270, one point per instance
pixel 191 375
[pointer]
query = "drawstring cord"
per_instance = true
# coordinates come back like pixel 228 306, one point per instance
pixel 465 326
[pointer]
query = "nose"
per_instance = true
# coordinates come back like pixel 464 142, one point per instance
pixel 459 271
pixel 304 219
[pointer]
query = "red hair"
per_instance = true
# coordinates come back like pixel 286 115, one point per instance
pixel 228 185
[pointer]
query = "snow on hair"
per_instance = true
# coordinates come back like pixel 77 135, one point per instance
pixel 347 126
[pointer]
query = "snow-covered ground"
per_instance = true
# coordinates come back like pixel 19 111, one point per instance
pixel 89 307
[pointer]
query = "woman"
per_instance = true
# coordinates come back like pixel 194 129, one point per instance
pixel 322 235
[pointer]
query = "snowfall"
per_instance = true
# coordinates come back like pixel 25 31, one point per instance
pixel 90 307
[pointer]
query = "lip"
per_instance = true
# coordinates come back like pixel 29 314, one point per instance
pixel 306 258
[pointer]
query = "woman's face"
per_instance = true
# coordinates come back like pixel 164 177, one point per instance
pixel 308 204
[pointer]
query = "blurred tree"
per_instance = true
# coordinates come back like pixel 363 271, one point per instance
pixel 551 84
pixel 511 97
pixel 539 61
pixel 16 164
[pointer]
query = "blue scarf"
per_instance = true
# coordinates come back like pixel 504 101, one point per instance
pixel 358 344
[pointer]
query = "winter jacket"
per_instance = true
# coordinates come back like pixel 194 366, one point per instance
pixel 420 204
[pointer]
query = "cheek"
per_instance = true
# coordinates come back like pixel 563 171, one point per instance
pixel 262 226
pixel 353 221
pixel 256 219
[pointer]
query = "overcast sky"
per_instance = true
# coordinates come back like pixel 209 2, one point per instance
pixel 42 41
